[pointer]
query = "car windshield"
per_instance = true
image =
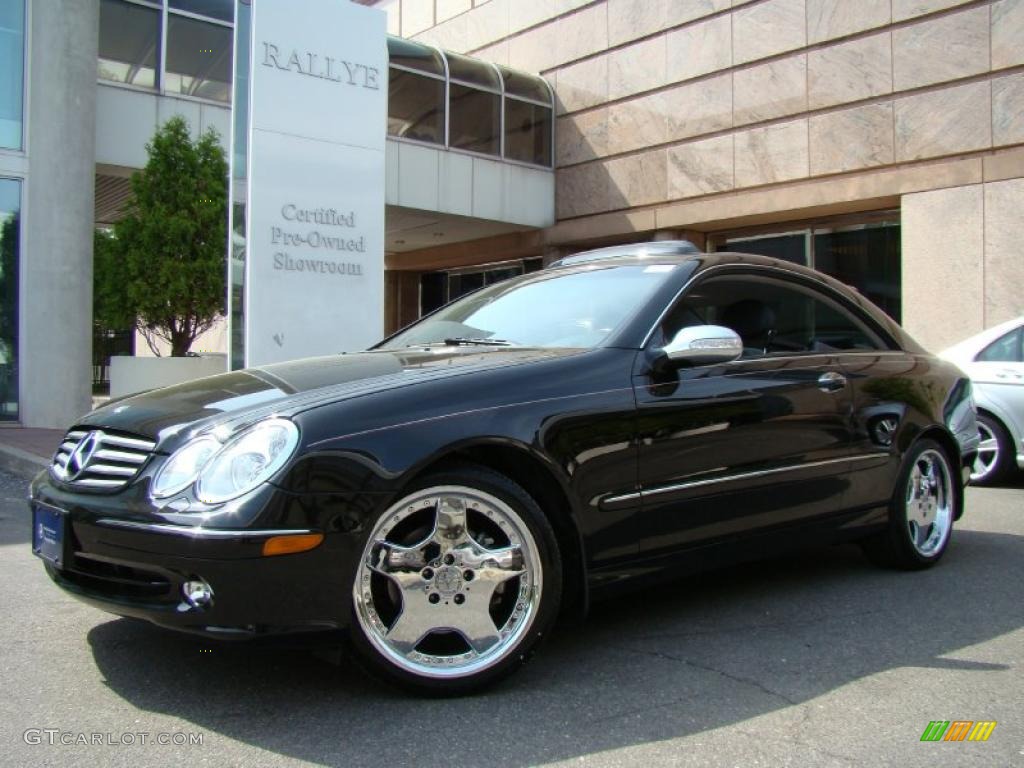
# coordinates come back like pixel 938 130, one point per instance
pixel 561 308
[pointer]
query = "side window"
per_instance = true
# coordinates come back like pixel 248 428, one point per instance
pixel 774 318
pixel 1005 349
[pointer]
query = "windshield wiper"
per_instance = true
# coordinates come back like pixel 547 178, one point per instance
pixel 459 341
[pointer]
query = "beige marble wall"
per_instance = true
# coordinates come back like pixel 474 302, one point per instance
pixel 942 248
pixel 446 9
pixel 828 19
pixel 699 49
pixel 1004 265
pixel 907 9
pixel 961 258
pixel 700 167
pixel 1008 109
pixel 785 89
pixel 860 137
pixel 1007 33
pixel 767 28
pixel 941 49
pixel 942 122
pixel 845 72
pixel 771 153
pixel 774 89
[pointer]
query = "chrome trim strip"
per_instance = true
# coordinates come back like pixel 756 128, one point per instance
pixel 741 476
pixel 198 532
pixel 111 469
pixel 128 442
pixel 95 482
pixel 131 458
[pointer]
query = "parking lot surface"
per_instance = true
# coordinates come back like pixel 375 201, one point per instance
pixel 819 659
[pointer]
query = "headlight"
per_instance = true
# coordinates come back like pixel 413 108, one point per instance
pixel 247 460
pixel 223 472
pixel 182 469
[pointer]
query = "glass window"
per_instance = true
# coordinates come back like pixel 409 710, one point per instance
pixel 1005 349
pixel 472 71
pixel 771 317
pixel 866 257
pixel 527 132
pixel 415 106
pixel 241 91
pixel 237 286
pixel 567 308
pixel 524 85
pixel 10 230
pixel 12 64
pixel 475 119
pixel 198 58
pixel 215 9
pixel 406 53
pixel 129 44
pixel 788 247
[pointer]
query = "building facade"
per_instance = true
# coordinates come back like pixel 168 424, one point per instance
pixel 877 140
pixel 881 141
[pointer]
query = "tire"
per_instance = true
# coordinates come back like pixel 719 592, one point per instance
pixel 995 453
pixel 921 513
pixel 458 582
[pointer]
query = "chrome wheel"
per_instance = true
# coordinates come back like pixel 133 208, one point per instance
pixel 991 458
pixel 449 582
pixel 929 502
pixel 988 453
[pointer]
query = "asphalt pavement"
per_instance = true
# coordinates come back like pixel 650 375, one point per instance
pixel 820 659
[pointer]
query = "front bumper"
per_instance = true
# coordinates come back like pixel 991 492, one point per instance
pixel 137 568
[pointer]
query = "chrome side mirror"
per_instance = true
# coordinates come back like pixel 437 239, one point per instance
pixel 704 345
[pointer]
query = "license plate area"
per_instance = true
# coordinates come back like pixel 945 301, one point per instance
pixel 49 533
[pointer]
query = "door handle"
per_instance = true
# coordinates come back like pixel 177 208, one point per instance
pixel 831 381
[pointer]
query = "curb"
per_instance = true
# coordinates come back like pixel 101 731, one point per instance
pixel 21 463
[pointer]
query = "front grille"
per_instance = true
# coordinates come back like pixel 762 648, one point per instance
pixel 100 460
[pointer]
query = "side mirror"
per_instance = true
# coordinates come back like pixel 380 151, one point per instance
pixel 703 345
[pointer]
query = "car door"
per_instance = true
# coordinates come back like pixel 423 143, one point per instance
pixel 998 373
pixel 732 449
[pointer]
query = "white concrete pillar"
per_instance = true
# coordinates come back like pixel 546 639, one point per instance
pixel 55 350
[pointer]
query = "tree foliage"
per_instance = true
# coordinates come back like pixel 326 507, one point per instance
pixel 164 266
pixel 9 288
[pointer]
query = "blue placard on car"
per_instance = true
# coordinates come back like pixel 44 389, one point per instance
pixel 48 533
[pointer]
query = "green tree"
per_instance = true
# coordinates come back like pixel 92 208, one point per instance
pixel 164 265
pixel 8 297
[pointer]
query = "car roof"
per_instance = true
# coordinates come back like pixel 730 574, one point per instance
pixel 966 349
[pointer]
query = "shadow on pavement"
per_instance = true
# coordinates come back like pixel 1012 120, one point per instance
pixel 689 657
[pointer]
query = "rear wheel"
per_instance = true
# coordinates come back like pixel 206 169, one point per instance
pixel 921 512
pixel 995 452
pixel 457 583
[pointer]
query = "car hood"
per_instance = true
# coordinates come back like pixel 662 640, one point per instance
pixel 287 388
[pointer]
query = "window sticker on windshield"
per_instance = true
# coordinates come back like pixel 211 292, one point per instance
pixel 659 268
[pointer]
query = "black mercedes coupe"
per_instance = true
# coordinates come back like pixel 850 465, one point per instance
pixel 624 415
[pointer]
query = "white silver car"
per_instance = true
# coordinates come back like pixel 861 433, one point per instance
pixel 994 360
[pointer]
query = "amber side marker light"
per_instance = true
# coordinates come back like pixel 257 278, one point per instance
pixel 287 545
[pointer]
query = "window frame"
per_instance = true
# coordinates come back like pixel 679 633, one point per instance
pixel 160 76
pixel 887 344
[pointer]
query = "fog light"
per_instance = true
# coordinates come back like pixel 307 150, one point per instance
pixel 198 594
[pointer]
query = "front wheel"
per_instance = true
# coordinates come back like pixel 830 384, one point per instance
pixel 921 512
pixel 457 583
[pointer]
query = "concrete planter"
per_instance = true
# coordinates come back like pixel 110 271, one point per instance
pixel 129 375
